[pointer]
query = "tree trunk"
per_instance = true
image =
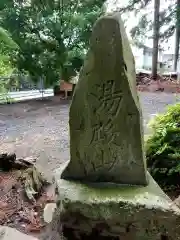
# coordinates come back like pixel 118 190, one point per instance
pixel 177 36
pixel 73 89
pixel 156 26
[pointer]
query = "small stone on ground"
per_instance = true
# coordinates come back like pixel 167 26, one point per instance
pixel 7 233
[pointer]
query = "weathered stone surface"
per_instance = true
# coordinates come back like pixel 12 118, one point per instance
pixel 116 211
pixel 48 212
pixel 105 114
pixel 7 233
pixel 177 201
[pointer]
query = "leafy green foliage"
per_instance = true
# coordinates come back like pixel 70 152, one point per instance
pixel 53 35
pixel 162 148
pixel 6 46
pixel 6 38
pixel 4 96
pixel 5 65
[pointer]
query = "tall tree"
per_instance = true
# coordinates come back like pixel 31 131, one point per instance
pixel 156 27
pixel 168 22
pixel 53 35
pixel 6 45
pixel 177 36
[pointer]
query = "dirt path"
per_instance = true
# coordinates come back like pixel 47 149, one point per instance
pixel 40 129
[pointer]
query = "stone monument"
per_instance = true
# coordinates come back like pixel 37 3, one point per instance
pixel 105 115
pixel 105 191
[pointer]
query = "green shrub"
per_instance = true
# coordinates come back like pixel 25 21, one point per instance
pixel 163 149
pixel 4 96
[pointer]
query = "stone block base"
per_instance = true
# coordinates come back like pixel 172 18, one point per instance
pixel 111 211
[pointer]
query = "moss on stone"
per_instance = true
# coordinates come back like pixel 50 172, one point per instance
pixel 147 210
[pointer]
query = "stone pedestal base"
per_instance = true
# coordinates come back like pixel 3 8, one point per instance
pixel 110 211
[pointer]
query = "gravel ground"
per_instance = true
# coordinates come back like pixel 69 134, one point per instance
pixel 40 129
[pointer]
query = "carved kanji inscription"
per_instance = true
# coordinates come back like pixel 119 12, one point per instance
pixel 105 115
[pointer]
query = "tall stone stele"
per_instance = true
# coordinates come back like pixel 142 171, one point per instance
pixel 105 189
pixel 105 115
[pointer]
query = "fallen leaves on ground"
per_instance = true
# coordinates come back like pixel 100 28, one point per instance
pixel 24 192
pixel 145 82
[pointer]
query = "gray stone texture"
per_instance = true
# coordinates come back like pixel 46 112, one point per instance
pixel 105 115
pixel 114 211
pixel 7 233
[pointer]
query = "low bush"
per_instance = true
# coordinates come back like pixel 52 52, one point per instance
pixel 163 149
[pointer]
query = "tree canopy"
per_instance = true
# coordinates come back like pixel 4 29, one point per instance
pixel 6 45
pixel 52 35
